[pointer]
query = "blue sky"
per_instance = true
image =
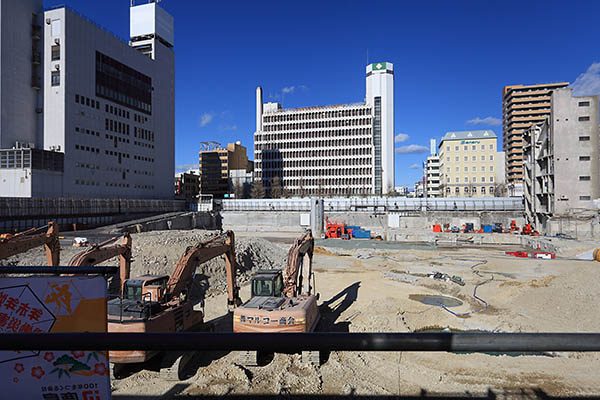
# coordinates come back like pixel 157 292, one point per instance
pixel 451 60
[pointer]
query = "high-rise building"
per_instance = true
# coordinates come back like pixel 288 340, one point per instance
pixel 432 171
pixel 108 108
pixel 468 164
pixel 522 106
pixel 342 149
pixel 21 91
pixel 216 164
pixel 562 162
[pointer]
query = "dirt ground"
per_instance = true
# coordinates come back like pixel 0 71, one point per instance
pixel 378 290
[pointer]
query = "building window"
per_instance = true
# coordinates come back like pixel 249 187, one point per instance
pixel 474 180
pixel 584 158
pixel 457 190
pixel 474 169
pixel 466 169
pixel 491 158
pixel 482 169
pixel 586 118
pixel 457 169
pixel 55 78
pixel 482 158
pixel 55 52
pixel 474 158
pixel 483 190
pixel 491 179
pixel 483 179
pixel 584 178
pixel 584 198
pixel 466 158
pixel 474 147
pixel 456 159
pixel 456 148
pixel 491 168
pixel 584 138
pixel 457 180
pixel 447 158
pixel 584 103
pixel 482 147
pixel 76 98
pixel 491 147
pixel 466 180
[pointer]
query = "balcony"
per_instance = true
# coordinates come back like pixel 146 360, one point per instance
pixel 36 58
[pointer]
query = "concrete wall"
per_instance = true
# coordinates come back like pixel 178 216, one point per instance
pixel 377 223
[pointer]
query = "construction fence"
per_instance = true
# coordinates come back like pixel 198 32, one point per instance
pixel 375 204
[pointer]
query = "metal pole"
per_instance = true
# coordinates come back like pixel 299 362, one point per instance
pixel 60 270
pixel 294 342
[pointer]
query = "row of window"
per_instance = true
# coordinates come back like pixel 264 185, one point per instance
pixel 143 134
pixel 119 112
pixel 149 146
pixel 472 190
pixel 364 141
pixel 317 115
pixel 473 169
pixel 87 148
pixel 347 132
pixel 87 101
pixel 149 187
pixel 473 179
pixel 139 118
pixel 321 182
pixel 473 158
pixel 268 171
pixel 142 158
pixel 116 139
pixel 311 154
pixel 138 172
pixel 116 126
pixel 318 124
pixel 473 148
pixel 87 131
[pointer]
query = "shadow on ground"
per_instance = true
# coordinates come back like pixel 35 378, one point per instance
pixel 524 393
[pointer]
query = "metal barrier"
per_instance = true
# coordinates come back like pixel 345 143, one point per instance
pixel 383 204
pixel 295 342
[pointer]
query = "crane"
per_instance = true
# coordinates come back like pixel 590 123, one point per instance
pixel 159 303
pixel 12 244
pixel 280 305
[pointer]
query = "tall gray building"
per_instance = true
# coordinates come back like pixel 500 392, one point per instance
pixel 562 162
pixel 20 79
pixel 108 106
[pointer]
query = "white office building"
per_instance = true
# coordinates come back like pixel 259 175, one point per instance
pixel 345 149
pixel 432 172
pixel 108 109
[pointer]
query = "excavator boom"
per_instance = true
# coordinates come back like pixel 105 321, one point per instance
pixel 304 246
pixel 20 243
pixel 98 253
pixel 223 244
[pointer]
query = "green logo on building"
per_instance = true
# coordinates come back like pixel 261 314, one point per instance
pixel 379 66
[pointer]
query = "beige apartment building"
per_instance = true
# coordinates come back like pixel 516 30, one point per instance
pixel 522 107
pixel 468 165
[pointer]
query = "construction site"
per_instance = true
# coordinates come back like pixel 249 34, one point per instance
pixel 489 277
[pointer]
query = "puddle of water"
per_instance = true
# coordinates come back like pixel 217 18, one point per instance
pixel 436 300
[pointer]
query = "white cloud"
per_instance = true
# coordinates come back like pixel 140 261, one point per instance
pixel 414 166
pixel 485 121
pixel 229 127
pixel 289 89
pixel 185 167
pixel 588 83
pixel 206 119
pixel 412 149
pixel 401 137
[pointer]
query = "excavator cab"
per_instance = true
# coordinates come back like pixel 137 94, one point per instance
pixel 267 283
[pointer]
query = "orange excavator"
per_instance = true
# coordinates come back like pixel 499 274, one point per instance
pixel 12 244
pixel 101 252
pixel 282 303
pixel 155 303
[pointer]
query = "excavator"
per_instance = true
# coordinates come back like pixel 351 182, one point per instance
pixel 12 244
pixel 282 303
pixel 101 252
pixel 155 303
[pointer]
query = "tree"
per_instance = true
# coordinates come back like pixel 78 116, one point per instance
pixel 500 190
pixel 258 190
pixel 276 189
pixel 301 190
pixel 238 190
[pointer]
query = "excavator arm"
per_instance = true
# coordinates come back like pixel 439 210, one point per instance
pixel 223 244
pixel 99 253
pixel 304 246
pixel 11 245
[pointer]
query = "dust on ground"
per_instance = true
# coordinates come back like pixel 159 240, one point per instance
pixel 378 290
